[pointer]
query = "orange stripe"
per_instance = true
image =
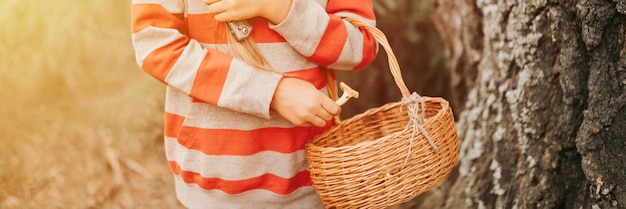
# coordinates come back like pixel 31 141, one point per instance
pixel 365 10
pixel 369 50
pixel 332 42
pixel 362 8
pixel 205 29
pixel 313 75
pixel 239 142
pixel 159 62
pixel 262 33
pixel 173 123
pixel 144 15
pixel 211 77
pixel 268 182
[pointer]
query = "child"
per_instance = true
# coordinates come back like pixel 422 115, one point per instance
pixel 235 134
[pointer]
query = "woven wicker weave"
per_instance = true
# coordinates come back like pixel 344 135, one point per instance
pixel 375 159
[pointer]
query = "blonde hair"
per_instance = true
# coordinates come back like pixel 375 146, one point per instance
pixel 248 51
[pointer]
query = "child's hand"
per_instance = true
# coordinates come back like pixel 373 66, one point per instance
pixel 302 104
pixel 232 10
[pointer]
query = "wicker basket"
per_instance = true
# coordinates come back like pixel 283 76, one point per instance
pixel 386 155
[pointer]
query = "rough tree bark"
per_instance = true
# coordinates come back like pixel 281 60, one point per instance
pixel 544 124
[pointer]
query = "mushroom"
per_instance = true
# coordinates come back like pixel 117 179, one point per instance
pixel 347 94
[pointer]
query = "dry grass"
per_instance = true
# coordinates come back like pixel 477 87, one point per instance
pixel 80 123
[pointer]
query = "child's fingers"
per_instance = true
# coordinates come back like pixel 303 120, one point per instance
pixel 331 107
pixel 216 8
pixel 222 12
pixel 324 115
pixel 225 16
pixel 318 121
pixel 209 2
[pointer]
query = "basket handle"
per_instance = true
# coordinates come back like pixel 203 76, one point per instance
pixel 394 67
pixel 380 37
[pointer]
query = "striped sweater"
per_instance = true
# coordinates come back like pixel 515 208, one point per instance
pixel 225 146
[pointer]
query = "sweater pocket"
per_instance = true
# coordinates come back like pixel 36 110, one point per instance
pixel 191 124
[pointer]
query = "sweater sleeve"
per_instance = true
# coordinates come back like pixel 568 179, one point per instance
pixel 325 38
pixel 164 51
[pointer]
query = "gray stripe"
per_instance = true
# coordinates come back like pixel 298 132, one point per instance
pixel 235 168
pixel 150 39
pixel 183 73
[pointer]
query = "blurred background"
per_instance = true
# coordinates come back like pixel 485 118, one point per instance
pixel 81 123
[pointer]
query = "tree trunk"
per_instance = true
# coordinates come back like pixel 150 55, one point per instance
pixel 544 124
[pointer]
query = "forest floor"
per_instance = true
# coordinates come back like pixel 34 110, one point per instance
pixel 81 124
